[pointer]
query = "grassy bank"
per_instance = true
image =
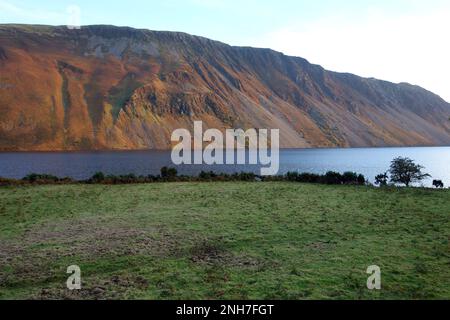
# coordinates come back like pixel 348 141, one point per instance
pixel 230 240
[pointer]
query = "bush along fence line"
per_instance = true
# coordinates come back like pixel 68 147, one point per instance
pixel 403 171
pixel 171 175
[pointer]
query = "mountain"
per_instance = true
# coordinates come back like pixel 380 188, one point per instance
pixel 105 87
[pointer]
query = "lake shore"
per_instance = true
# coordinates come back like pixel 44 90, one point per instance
pixel 80 166
pixel 230 240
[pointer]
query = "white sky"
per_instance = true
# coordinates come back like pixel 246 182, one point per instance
pixel 413 48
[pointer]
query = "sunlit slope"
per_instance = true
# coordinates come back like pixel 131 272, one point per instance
pixel 105 87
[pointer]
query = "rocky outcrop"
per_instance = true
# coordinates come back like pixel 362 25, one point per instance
pixel 105 87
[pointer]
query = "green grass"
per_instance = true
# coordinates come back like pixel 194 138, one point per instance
pixel 224 241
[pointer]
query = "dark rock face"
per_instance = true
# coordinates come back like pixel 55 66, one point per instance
pixel 3 55
pixel 106 87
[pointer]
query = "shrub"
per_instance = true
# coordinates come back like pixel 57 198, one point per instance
pixel 329 178
pixel 361 179
pixel 34 177
pixel 350 178
pixel 244 176
pixel 332 177
pixel 382 179
pixel 168 173
pixel 129 178
pixel 309 178
pixel 292 176
pixel 171 174
pixel 98 177
pixel 10 182
pixel 207 175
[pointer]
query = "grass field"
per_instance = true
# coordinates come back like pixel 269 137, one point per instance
pixel 224 241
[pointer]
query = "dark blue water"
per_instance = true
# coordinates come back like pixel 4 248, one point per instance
pixel 82 165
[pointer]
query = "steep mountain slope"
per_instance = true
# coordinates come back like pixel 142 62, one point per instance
pixel 105 87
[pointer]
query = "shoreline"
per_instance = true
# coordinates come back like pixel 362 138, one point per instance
pixel 170 150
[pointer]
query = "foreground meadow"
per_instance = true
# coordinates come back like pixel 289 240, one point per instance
pixel 232 240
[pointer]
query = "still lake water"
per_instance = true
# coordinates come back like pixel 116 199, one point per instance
pixel 82 165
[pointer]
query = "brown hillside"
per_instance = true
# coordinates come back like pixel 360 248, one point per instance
pixel 105 87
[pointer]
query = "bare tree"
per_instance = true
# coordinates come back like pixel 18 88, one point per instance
pixel 405 171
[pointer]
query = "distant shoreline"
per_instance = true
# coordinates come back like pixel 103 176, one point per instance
pixel 169 150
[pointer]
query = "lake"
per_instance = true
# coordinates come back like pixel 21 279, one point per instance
pixel 82 165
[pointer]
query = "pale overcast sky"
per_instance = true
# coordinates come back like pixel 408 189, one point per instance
pixel 395 40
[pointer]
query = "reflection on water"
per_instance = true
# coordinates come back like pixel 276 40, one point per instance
pixel 82 165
